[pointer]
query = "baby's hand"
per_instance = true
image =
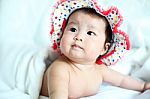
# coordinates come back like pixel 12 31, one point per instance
pixel 146 86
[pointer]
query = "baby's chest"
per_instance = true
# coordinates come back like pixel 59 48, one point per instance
pixel 84 85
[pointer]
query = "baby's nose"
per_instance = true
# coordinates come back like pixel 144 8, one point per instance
pixel 76 38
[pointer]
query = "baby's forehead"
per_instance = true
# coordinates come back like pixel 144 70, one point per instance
pixel 77 14
pixel 87 11
pixel 78 17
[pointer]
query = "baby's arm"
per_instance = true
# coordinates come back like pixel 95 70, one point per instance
pixel 124 81
pixel 58 79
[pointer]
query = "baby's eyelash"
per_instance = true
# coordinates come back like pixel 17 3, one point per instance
pixel 73 29
pixel 91 33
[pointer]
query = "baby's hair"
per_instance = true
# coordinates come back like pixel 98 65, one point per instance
pixel 108 32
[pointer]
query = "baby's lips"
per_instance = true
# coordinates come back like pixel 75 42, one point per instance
pixel 77 46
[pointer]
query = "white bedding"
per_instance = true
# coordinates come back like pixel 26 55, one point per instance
pixel 24 45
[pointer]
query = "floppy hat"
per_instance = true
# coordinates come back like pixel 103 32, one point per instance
pixel 64 8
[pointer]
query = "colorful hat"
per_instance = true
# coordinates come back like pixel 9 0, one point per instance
pixel 64 8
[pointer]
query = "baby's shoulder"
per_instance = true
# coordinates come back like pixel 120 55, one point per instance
pixel 58 68
pixel 59 63
pixel 102 68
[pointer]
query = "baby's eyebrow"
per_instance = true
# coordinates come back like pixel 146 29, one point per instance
pixel 91 26
pixel 72 23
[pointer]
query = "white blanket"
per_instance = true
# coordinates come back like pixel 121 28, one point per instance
pixel 24 45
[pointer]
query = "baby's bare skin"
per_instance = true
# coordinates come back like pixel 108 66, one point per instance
pixel 82 81
pixel 72 81
pixel 75 74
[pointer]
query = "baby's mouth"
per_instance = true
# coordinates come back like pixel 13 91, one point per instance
pixel 76 46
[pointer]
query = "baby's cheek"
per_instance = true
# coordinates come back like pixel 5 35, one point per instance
pixel 94 55
pixel 61 44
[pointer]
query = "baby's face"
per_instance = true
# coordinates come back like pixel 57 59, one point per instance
pixel 83 38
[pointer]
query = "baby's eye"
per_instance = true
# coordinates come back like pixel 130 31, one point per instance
pixel 91 33
pixel 73 29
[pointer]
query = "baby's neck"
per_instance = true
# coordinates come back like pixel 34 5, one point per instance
pixel 84 67
pixel 80 65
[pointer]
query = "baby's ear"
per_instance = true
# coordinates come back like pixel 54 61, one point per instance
pixel 106 47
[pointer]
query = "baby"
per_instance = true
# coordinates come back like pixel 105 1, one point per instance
pixel 87 36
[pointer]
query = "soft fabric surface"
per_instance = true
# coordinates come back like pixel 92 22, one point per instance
pixel 25 41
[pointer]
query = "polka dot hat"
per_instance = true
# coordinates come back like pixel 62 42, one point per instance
pixel 65 7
